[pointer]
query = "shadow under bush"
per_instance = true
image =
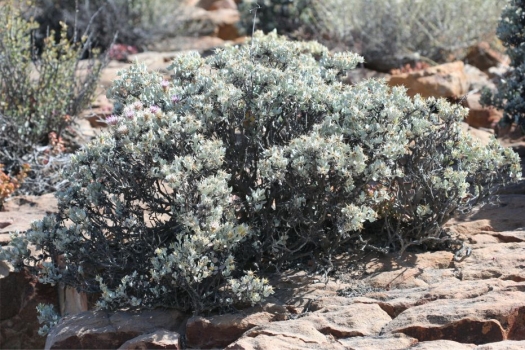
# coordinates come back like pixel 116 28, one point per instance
pixel 253 159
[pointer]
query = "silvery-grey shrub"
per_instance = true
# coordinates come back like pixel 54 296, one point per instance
pixel 250 160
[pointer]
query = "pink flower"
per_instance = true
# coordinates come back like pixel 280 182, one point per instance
pixel 129 113
pixel 165 84
pixel 175 99
pixel 137 105
pixel 154 109
pixel 112 120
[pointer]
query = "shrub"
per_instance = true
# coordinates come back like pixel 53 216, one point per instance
pixel 253 159
pixel 387 33
pixel 39 95
pixel 510 95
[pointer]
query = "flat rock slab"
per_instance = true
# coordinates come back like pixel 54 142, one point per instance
pixel 442 345
pixel 349 321
pixel 506 214
pixel 445 80
pixel 390 342
pixel 160 339
pixel 286 335
pixel 20 211
pixel 221 330
pixel 505 261
pixel 493 317
pixel 107 330
pixel 503 345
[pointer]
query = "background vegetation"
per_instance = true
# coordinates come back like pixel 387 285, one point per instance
pixel 387 33
pixel 40 94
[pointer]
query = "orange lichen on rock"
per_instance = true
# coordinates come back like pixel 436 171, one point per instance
pixel 9 184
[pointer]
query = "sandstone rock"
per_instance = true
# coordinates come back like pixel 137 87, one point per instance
pixel 446 80
pixel 106 330
pixel 20 292
pixel 70 301
pixel 219 331
pixel 396 301
pixel 286 335
pixel 504 261
pixel 222 16
pixel 428 260
pixel 479 116
pixel 505 214
pixel 354 320
pixel 299 290
pixel 408 272
pixel 489 318
pixel 225 19
pixel 101 107
pixel 442 345
pixel 267 342
pixel 160 339
pixel 483 57
pixel 5 237
pixel 228 32
pixel 212 5
pixel 477 79
pixel 503 345
pixel 20 211
pixel 330 302
pixel 392 342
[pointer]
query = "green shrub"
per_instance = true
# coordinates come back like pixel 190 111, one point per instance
pixel 255 158
pixel 40 92
pixel 511 91
pixel 387 33
pixel 41 95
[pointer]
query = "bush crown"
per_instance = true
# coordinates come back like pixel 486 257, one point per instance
pixel 252 159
